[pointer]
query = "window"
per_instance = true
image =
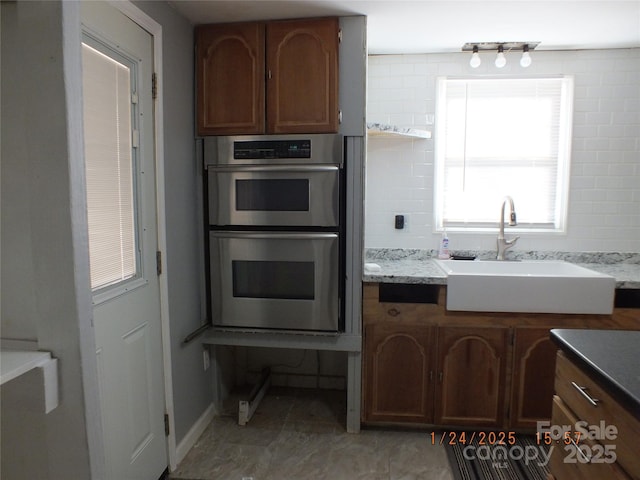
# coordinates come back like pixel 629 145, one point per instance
pixel 109 161
pixel 498 137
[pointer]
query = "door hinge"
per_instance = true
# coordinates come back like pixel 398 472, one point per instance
pixel 340 35
pixel 167 430
pixel 154 85
pixel 159 262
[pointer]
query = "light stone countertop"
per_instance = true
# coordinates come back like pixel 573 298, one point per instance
pixel 417 266
pixel 627 275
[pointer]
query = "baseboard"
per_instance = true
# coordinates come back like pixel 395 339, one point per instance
pixel 194 433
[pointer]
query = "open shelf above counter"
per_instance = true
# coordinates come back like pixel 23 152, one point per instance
pixel 385 130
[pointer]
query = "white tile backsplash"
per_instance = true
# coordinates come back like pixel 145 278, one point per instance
pixel 604 198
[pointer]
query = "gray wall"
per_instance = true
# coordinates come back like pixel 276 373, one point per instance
pixel 192 386
pixel 45 264
pixel 45 283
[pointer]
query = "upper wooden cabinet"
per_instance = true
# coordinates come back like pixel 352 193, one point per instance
pixel 230 78
pixel 275 77
pixel 302 76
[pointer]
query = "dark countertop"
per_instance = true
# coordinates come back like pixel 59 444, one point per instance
pixel 611 357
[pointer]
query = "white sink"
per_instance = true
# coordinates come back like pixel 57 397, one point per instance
pixel 526 286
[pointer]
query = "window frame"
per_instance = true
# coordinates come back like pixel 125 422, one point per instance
pixel 565 124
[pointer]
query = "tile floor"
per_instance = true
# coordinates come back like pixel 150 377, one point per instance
pixel 300 434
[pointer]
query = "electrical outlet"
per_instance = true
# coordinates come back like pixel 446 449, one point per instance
pixel 206 357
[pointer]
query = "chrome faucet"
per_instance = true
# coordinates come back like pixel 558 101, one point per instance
pixel 503 243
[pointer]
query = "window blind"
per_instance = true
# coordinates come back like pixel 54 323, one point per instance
pixel 498 137
pixel 109 168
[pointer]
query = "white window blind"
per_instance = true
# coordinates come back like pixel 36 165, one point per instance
pixel 498 137
pixel 109 168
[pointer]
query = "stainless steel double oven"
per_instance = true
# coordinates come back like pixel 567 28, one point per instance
pixel 275 215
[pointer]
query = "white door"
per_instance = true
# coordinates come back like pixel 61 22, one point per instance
pixel 117 58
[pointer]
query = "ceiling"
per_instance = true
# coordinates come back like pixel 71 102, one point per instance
pixel 430 26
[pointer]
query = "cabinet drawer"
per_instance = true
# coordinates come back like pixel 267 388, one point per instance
pixel 567 462
pixel 596 408
pixel 401 304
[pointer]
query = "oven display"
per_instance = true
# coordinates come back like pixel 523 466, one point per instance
pixel 258 150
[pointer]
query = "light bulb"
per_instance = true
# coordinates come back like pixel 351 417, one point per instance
pixel 501 61
pixel 525 61
pixel 475 58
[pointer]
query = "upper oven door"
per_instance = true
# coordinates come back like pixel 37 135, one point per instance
pixel 289 196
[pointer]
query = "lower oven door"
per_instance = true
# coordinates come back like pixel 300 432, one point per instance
pixel 274 280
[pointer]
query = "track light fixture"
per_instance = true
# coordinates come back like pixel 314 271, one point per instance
pixel 501 48
pixel 475 58
pixel 525 60
pixel 501 60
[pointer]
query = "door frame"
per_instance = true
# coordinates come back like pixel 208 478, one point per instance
pixel 155 30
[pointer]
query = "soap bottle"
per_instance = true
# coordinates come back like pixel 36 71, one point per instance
pixel 443 251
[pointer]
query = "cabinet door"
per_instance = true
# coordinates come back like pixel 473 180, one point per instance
pixel 534 364
pixel 302 76
pixel 471 375
pixel 397 373
pixel 230 79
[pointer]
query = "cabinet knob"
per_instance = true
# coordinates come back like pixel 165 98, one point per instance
pixel 394 312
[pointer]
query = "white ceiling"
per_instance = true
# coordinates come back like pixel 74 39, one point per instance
pixel 428 26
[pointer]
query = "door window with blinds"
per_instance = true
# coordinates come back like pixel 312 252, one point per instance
pixel 498 137
pixel 110 160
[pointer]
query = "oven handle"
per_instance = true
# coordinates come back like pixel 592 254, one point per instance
pixel 276 168
pixel 276 235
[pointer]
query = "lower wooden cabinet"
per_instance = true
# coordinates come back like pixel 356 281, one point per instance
pixel 425 365
pixel 471 375
pixel 534 364
pixel 399 373
pixel 441 375
pixel 613 457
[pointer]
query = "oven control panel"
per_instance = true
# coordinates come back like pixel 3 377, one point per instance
pixel 254 150
pixel 267 149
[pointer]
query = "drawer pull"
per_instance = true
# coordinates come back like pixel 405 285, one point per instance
pixel 394 312
pixel 584 456
pixel 582 390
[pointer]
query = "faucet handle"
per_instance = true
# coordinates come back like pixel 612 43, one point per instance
pixel 511 242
